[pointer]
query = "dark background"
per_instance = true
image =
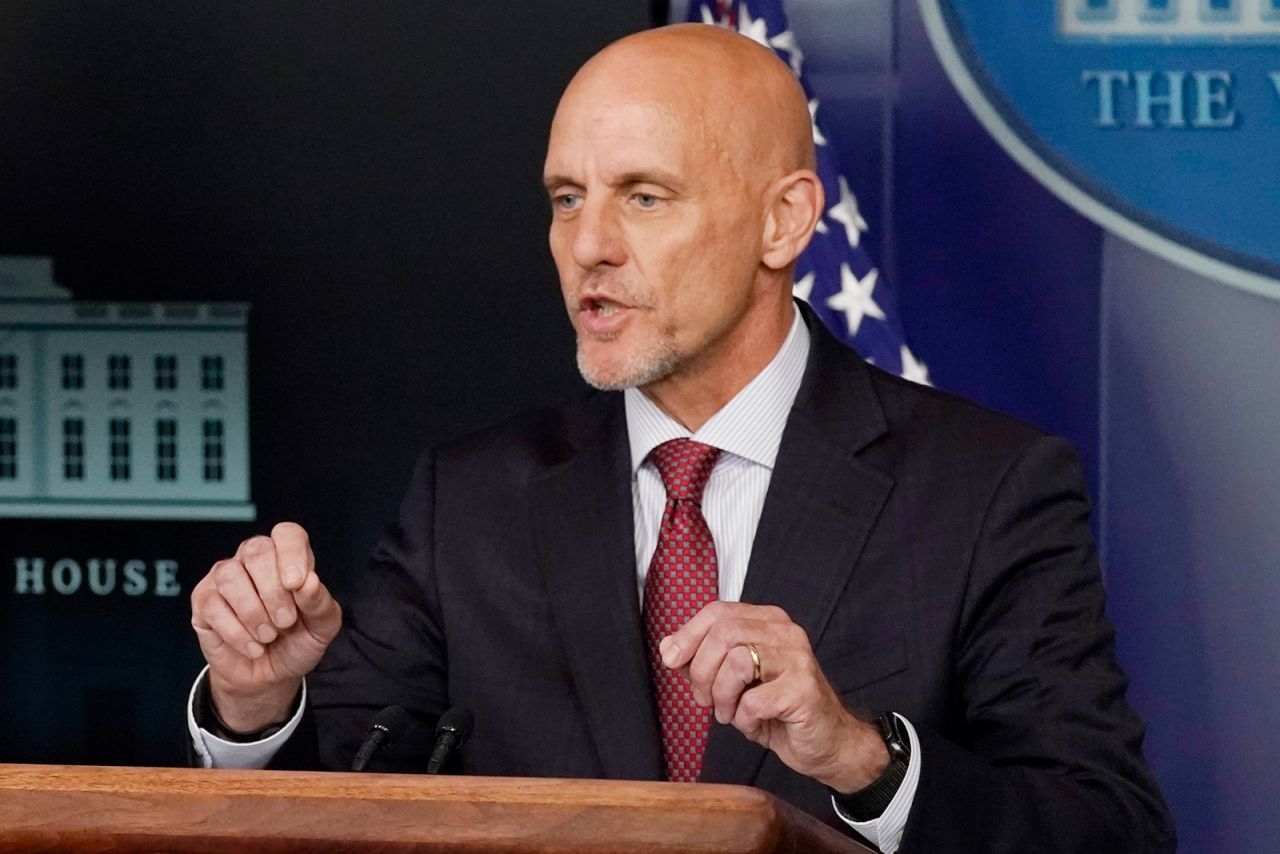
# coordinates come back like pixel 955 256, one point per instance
pixel 368 176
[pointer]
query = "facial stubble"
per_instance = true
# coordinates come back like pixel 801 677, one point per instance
pixel 657 359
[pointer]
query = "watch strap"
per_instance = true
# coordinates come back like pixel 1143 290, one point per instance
pixel 872 800
pixel 207 718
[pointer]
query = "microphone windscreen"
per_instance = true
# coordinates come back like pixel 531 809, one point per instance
pixel 393 720
pixel 459 720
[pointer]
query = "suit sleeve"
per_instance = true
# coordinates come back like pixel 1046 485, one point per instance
pixel 391 651
pixel 1049 754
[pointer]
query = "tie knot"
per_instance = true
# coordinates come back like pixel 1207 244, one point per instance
pixel 684 466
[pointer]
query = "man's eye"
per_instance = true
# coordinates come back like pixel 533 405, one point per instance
pixel 645 200
pixel 567 201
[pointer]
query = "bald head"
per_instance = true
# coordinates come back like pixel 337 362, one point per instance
pixel 680 172
pixel 735 94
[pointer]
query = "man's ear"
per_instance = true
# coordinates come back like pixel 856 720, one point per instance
pixel 796 206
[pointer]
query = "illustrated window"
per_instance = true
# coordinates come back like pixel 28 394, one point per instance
pixel 118 365
pixel 166 372
pixel 213 448
pixel 119 429
pixel 211 368
pixel 1159 10
pixel 1219 10
pixel 1096 10
pixel 8 370
pixel 72 371
pixel 166 449
pixel 8 448
pixel 73 448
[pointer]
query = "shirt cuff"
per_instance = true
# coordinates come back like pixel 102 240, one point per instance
pixel 885 832
pixel 217 752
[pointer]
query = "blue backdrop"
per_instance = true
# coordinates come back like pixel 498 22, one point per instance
pixel 1162 378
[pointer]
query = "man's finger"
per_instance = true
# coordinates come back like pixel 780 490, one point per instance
pixel 679 648
pixel 222 621
pixel 293 553
pixel 258 555
pixel 736 675
pixel 319 609
pixel 220 654
pixel 728 633
pixel 236 587
pixel 757 707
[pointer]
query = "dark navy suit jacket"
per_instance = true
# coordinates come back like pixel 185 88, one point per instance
pixel 937 554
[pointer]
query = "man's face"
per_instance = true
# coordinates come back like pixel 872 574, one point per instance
pixel 655 233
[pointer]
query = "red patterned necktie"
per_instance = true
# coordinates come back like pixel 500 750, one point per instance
pixel 683 577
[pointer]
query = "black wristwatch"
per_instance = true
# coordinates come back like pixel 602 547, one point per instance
pixel 208 719
pixel 872 800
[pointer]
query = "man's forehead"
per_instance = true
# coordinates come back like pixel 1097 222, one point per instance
pixel 632 110
pixel 624 135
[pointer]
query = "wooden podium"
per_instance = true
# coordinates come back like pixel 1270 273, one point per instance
pixel 81 809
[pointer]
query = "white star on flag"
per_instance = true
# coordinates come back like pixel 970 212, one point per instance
pixel 846 212
pixel 855 298
pixel 756 29
pixel 786 40
pixel 803 287
pixel 818 138
pixel 913 369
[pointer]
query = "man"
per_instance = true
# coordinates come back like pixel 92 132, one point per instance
pixel 760 528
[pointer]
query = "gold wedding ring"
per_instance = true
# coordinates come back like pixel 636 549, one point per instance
pixel 755 663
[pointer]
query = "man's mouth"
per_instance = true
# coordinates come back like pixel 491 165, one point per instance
pixel 602 307
pixel 602 317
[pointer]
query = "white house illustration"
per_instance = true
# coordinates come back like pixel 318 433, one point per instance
pixel 1173 21
pixel 120 410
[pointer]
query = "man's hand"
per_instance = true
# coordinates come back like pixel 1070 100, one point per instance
pixel 263 620
pixel 792 710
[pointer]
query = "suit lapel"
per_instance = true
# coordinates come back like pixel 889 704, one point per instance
pixel 820 509
pixel 582 508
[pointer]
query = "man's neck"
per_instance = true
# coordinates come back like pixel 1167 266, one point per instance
pixel 692 395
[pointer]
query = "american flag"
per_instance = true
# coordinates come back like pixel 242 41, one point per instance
pixel 836 274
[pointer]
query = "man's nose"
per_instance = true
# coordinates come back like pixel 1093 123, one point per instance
pixel 598 237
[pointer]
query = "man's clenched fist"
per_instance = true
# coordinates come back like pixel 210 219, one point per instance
pixel 263 620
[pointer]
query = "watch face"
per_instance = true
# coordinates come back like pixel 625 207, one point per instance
pixel 895 739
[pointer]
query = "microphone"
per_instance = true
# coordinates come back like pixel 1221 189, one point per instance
pixel 388 725
pixel 452 730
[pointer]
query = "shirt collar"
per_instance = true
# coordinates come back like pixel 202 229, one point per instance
pixel 749 426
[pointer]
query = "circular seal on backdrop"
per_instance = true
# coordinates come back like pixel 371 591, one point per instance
pixel 1156 119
